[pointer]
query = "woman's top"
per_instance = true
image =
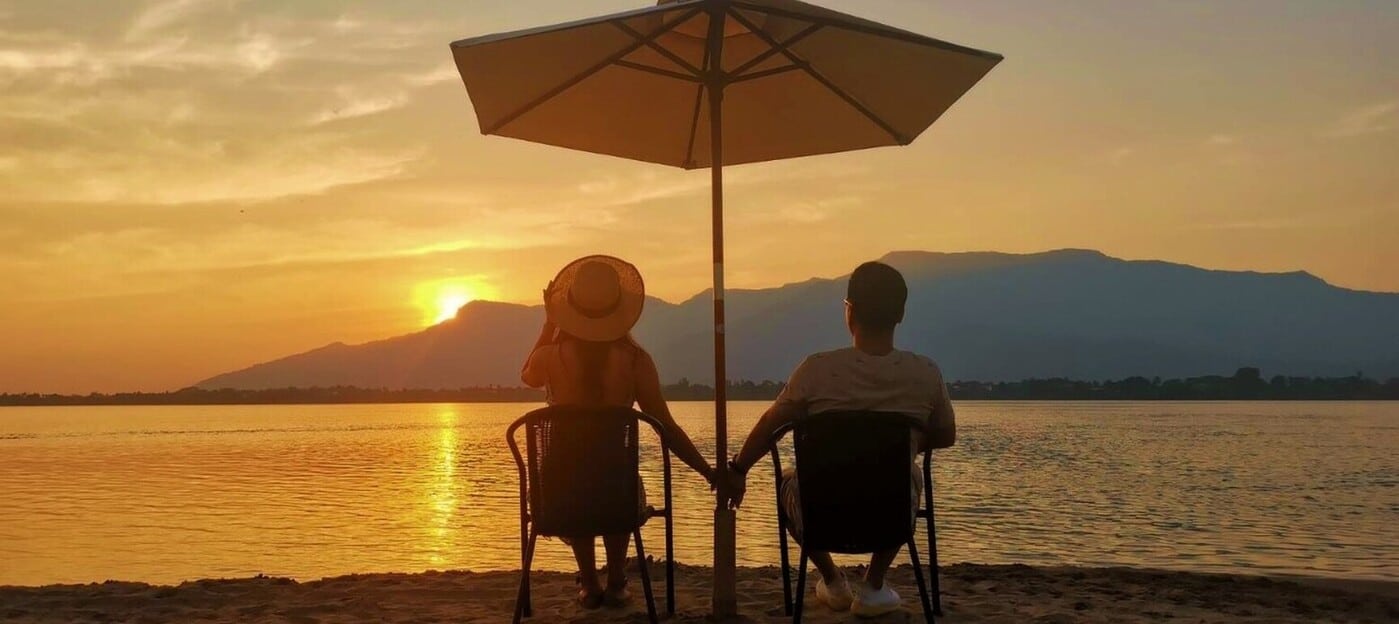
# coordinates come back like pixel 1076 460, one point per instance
pixel 560 367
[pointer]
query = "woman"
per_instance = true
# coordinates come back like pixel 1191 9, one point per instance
pixel 585 355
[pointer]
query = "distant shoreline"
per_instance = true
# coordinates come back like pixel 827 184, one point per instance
pixel 1245 385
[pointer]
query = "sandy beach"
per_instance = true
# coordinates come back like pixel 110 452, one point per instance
pixel 972 593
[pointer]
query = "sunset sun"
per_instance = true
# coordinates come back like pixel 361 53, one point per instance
pixel 448 303
pixel 439 301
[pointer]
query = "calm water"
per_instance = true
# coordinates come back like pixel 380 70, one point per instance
pixel 162 494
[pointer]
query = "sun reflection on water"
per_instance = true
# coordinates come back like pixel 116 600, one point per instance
pixel 441 493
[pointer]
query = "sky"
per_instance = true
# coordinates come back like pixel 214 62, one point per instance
pixel 189 187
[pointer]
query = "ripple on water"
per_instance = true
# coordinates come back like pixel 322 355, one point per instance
pixel 165 494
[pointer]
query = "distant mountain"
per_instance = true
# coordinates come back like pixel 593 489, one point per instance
pixel 985 316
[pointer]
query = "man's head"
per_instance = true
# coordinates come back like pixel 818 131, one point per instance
pixel 875 298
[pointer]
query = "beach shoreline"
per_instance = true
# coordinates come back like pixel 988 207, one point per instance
pixel 971 593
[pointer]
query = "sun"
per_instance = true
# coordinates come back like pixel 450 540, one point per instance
pixel 439 301
pixel 448 304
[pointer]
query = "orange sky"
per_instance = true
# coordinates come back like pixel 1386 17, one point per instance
pixel 193 186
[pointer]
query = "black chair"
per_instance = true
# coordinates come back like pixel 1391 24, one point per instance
pixel 580 477
pixel 854 475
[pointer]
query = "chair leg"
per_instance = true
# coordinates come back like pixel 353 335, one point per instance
pixel 933 559
pixel 669 563
pixel 522 599
pixel 801 588
pixel 645 577
pixel 786 570
pixel 918 577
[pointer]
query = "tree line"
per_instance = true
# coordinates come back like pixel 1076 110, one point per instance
pixel 1247 384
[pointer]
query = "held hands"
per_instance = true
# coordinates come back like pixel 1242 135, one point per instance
pixel 731 487
pixel 735 486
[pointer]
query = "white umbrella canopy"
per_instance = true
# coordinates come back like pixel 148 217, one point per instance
pixel 709 83
pixel 799 80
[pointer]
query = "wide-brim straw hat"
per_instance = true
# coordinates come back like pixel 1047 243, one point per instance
pixel 596 298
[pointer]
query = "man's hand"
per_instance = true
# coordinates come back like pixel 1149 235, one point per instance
pixel 734 488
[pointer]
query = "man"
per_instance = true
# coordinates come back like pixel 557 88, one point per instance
pixel 871 375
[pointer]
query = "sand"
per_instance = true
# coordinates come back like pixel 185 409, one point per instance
pixel 972 593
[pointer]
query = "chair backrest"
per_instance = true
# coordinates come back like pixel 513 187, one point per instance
pixel 582 470
pixel 854 474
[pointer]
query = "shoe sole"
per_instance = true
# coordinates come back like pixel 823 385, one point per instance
pixel 872 612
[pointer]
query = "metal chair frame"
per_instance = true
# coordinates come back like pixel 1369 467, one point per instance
pixel 925 511
pixel 528 534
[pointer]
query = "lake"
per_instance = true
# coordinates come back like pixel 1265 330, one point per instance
pixel 164 494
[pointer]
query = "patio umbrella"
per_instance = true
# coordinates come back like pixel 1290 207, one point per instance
pixel 707 83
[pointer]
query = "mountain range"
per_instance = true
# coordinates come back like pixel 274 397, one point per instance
pixel 983 316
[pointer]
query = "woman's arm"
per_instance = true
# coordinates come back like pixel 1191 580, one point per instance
pixel 648 397
pixel 534 373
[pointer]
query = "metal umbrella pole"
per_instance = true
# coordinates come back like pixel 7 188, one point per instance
pixel 724 598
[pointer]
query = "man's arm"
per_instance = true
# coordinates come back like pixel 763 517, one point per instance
pixel 756 446
pixel 943 421
pixel 736 484
pixel 790 405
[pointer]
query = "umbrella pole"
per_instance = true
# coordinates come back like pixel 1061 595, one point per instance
pixel 724 595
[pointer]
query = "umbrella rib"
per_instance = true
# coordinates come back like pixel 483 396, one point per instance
pixel 895 34
pixel 651 43
pixel 771 52
pixel 694 120
pixel 764 73
pixel 588 73
pixel 826 82
pixel 656 70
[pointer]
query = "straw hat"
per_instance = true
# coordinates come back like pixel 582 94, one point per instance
pixel 596 298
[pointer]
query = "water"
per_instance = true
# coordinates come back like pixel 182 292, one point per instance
pixel 164 494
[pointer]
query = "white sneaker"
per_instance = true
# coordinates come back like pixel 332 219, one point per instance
pixel 837 597
pixel 870 602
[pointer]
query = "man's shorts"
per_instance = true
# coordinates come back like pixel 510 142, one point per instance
pixel 791 499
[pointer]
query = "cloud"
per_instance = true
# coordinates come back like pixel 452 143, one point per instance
pixel 83 64
pixel 1274 223
pixel 1371 119
pixel 446 72
pixel 353 105
pixel 189 105
pixel 258 52
pixel 171 254
pixel 158 15
pixel 1222 140
pixel 170 172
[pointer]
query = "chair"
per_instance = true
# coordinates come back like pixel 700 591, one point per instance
pixel 854 475
pixel 579 476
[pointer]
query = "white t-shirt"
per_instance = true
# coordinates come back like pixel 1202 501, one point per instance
pixel 850 379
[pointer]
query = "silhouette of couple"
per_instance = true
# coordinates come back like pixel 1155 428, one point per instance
pixel 585 355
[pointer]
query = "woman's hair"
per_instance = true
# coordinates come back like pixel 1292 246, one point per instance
pixel 593 358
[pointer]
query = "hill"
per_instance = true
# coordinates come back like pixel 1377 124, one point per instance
pixel 986 316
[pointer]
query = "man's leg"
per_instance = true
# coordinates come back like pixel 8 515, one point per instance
pixel 826 567
pixel 873 597
pixel 879 566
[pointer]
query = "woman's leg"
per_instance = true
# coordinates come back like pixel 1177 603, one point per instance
pixel 583 551
pixel 616 559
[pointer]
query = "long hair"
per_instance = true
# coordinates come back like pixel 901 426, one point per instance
pixel 593 358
